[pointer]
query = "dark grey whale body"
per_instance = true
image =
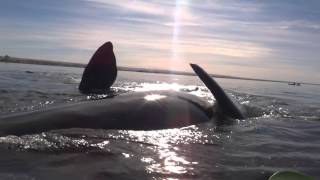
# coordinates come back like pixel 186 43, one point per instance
pixel 131 111
pixel 135 111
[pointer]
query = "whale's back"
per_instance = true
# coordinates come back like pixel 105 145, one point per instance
pixel 131 111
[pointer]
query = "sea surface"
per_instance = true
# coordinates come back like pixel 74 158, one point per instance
pixel 281 133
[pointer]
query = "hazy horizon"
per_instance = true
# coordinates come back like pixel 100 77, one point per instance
pixel 256 39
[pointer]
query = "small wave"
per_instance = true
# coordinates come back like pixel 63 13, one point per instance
pixel 46 142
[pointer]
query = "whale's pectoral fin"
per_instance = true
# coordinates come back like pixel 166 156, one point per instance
pixel 101 71
pixel 225 103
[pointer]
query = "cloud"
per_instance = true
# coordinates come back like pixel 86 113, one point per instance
pixel 134 6
pixel 257 35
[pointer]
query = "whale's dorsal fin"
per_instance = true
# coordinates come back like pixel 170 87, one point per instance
pixel 101 71
pixel 225 103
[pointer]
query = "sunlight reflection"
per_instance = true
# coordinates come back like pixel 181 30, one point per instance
pixel 101 145
pixel 186 135
pixel 178 18
pixel 199 91
pixel 169 159
pixel 154 97
pixel 126 155
pixel 159 86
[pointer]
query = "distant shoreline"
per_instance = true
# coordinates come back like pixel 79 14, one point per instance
pixel 8 59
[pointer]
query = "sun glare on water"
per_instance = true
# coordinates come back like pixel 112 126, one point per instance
pixel 154 97
pixel 168 159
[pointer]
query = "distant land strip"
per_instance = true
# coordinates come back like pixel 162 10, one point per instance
pixel 9 59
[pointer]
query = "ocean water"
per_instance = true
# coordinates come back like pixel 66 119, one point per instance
pixel 282 132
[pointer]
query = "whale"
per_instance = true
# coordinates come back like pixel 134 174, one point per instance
pixel 150 110
pixel 101 71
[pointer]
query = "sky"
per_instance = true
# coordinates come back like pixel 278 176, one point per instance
pixel 269 39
